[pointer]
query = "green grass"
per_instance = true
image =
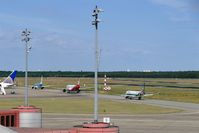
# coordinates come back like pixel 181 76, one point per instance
pixel 178 93
pixel 160 90
pixel 181 95
pixel 85 106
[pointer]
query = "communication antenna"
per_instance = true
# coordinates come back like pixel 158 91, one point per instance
pixel 95 14
pixel 26 38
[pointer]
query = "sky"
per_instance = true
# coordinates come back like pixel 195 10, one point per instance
pixel 134 35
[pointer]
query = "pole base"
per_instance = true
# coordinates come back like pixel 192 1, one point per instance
pixel 99 127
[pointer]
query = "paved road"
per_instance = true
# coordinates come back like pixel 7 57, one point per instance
pixel 161 103
pixel 169 123
pixel 184 122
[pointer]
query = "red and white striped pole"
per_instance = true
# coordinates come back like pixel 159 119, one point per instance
pixel 104 80
pixel 106 88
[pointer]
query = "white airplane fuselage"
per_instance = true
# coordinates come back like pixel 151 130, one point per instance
pixel 134 95
pixel 5 85
pixel 9 81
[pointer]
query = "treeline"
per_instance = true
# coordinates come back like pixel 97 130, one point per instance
pixel 116 74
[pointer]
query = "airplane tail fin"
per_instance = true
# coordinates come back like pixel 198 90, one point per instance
pixel 10 79
pixel 143 89
pixel 78 82
pixel 41 82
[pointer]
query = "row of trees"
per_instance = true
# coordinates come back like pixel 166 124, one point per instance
pixel 115 74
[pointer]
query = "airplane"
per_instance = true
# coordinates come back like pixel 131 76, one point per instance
pixel 135 94
pixel 9 81
pixel 39 85
pixel 72 88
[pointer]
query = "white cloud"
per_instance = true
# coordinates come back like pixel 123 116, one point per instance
pixel 9 39
pixel 180 5
pixel 180 10
pixel 18 20
pixel 62 42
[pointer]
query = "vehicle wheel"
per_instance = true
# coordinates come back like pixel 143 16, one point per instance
pixel 139 98
pixel 12 92
pixel 64 90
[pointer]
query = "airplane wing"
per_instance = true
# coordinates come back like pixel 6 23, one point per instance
pixel 148 94
pixel 48 86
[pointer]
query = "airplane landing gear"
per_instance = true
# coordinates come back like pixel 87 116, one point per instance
pixel 12 92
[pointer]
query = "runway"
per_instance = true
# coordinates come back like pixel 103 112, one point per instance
pixel 184 122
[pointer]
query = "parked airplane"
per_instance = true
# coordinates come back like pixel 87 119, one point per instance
pixel 9 81
pixel 72 88
pixel 39 85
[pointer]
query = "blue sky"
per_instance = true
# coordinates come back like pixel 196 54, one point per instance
pixel 136 35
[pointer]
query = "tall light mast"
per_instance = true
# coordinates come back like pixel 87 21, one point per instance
pixel 95 14
pixel 26 38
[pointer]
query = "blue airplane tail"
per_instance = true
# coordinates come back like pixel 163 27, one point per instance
pixel 10 79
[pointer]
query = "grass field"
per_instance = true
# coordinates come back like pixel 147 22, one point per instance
pixel 185 90
pixel 85 106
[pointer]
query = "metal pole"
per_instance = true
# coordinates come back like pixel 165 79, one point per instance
pixel 26 39
pixel 95 22
pixel 96 78
pixel 26 76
